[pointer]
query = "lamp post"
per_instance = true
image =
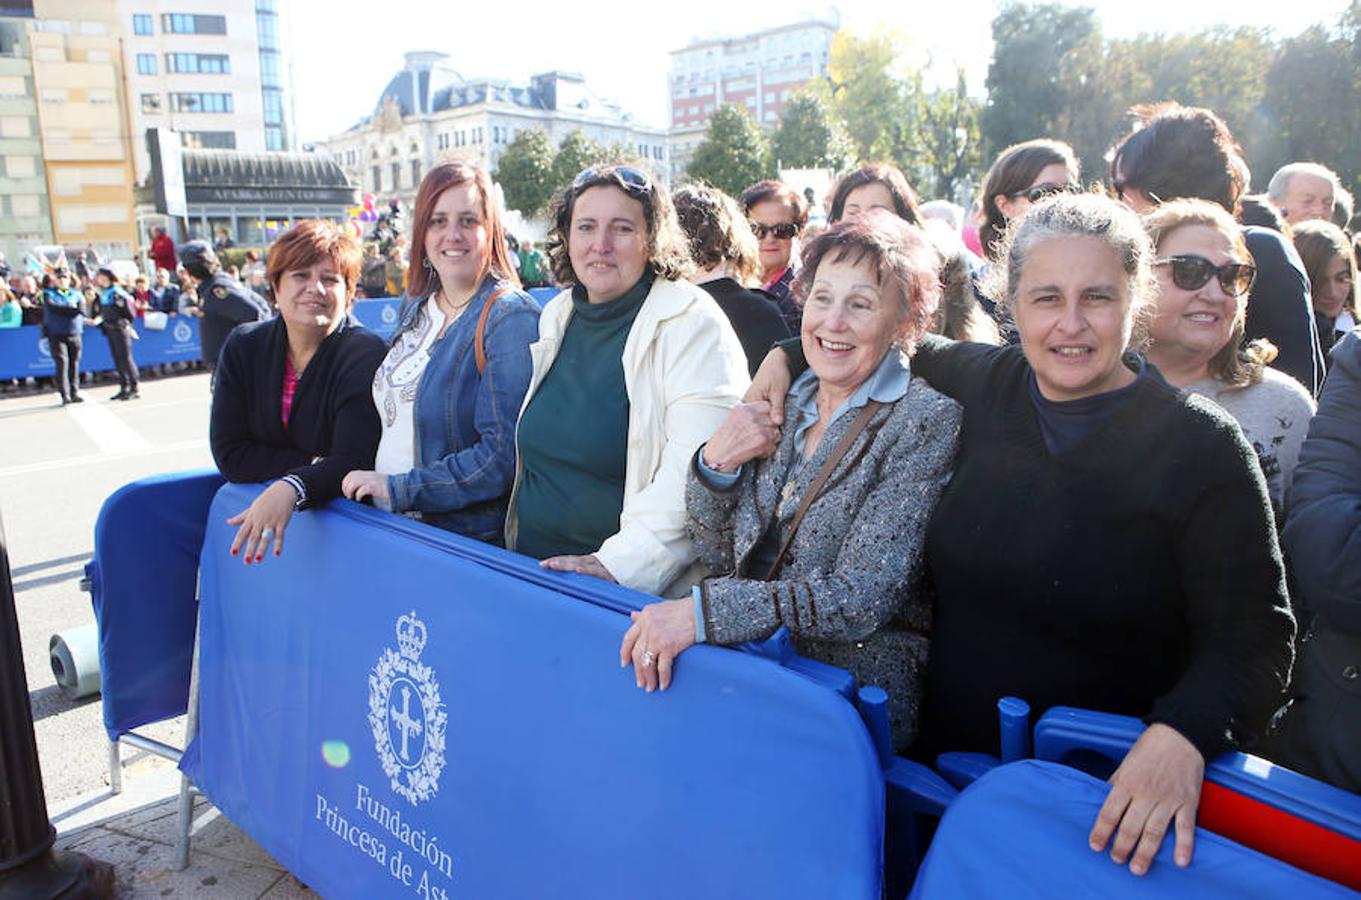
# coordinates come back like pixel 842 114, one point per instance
pixel 29 867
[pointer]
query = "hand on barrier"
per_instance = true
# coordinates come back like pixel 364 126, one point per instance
pixel 1157 784
pixel 771 384
pixel 582 565
pixel 264 521
pixel 747 433
pixel 659 633
pixel 360 485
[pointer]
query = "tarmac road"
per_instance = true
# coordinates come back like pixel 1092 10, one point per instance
pixel 57 464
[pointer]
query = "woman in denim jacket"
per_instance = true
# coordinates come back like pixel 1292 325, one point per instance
pixel 449 391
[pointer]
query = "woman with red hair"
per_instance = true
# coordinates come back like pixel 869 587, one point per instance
pixel 291 397
pixel 450 389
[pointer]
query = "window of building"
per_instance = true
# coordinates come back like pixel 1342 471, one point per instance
pixel 377 178
pixel 267 30
pixel 25 205
pixel 784 96
pixel 184 23
pixel 201 102
pixel 770 96
pixel 198 63
pixel 396 176
pixel 13 87
pixel 151 103
pixel 274 106
pixel 274 138
pixel 770 115
pixel 209 140
pixel 146 64
pixel 708 108
pixel 694 110
pixel 415 171
pixel 751 103
pixel 20 167
pixel 100 96
pixel 141 24
pixel 269 69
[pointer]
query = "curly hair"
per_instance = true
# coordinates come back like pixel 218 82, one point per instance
pixel 905 201
pixel 1016 169
pixel 1080 215
pixel 1235 365
pixel 1179 151
pixel 717 231
pixel 899 254
pixel 668 255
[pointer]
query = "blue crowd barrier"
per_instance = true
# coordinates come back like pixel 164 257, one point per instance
pixel 24 352
pixel 389 708
pixel 143 584
pixel 1021 831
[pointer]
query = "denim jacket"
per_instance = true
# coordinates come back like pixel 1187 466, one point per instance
pixel 465 423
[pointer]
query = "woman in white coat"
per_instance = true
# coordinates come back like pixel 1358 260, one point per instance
pixel 633 369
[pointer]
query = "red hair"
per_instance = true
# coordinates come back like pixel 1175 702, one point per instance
pixel 447 174
pixel 308 243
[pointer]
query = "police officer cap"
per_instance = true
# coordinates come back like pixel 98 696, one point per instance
pixel 107 273
pixel 197 253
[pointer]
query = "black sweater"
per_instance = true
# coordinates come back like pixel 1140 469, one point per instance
pixel 754 317
pixel 333 415
pixel 1138 573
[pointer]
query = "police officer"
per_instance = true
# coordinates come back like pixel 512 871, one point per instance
pixel 116 315
pixel 223 301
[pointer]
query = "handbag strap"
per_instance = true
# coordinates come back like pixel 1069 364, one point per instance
pixel 479 341
pixel 842 447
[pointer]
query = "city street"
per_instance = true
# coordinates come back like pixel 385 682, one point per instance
pixel 57 465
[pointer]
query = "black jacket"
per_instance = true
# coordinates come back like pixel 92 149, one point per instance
pixel 754 316
pixel 333 416
pixel 226 303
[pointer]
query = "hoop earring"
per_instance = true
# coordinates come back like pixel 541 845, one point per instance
pixel 429 266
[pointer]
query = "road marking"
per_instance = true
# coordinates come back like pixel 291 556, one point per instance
pixel 94 458
pixel 110 433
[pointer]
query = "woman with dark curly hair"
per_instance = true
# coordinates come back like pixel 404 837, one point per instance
pixel 723 247
pixel 633 368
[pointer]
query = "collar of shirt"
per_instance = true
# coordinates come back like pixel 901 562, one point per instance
pixel 887 384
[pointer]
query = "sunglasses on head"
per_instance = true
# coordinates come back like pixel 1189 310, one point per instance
pixel 635 181
pixel 1191 273
pixel 784 231
pixel 1040 191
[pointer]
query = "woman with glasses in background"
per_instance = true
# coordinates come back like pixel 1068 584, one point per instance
pixel 633 369
pixel 777 214
pixel 1023 175
pixel 1204 272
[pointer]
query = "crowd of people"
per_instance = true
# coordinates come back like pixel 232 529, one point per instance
pixel 1099 448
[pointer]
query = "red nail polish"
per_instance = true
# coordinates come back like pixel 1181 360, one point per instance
pixel 260 557
pixel 234 552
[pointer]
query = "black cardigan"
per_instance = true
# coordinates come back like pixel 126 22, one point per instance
pixel 754 317
pixel 333 415
pixel 1138 573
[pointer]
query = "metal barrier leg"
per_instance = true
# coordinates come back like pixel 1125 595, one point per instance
pixel 185 818
pixel 115 768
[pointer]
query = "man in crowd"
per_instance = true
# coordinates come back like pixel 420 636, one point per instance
pixel 1304 191
pixel 532 265
pixel 162 249
pixel 223 301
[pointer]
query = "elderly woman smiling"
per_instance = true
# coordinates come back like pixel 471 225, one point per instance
pixel 821 528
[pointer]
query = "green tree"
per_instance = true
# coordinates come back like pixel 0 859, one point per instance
pixel 733 154
pixel 525 172
pixel 950 137
pixel 577 152
pixel 1025 94
pixel 878 107
pixel 807 138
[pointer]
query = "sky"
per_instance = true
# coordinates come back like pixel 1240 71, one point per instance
pixel 345 51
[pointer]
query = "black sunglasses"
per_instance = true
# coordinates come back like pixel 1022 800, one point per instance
pixel 784 231
pixel 1040 191
pixel 1191 273
pixel 633 180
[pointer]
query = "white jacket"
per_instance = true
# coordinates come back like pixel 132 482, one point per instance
pixel 684 369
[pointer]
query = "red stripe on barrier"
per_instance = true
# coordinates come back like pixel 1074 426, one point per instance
pixel 1303 844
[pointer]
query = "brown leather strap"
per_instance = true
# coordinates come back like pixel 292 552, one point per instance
pixel 820 480
pixel 479 348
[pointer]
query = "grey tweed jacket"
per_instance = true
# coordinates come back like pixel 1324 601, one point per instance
pixel 850 590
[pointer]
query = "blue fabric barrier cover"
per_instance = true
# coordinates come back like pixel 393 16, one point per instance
pixel 24 352
pixel 388 708
pixel 144 578
pixel 1021 831
pixel 379 315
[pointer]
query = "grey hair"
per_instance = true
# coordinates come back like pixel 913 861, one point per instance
pixel 1280 182
pixel 1080 215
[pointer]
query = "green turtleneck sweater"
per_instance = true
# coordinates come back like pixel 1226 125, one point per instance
pixel 573 435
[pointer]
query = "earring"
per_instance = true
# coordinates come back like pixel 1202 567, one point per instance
pixel 429 266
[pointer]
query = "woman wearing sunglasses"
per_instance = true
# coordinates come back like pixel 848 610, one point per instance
pixel 1204 273
pixel 1106 541
pixel 634 367
pixel 1023 175
pixel 777 214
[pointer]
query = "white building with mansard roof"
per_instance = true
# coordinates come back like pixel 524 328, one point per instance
pixel 428 111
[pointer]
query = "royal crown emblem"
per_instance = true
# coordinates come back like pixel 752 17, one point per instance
pixel 407 715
